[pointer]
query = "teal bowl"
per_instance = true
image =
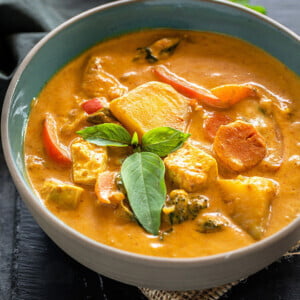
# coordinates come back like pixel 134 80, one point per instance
pixel 83 31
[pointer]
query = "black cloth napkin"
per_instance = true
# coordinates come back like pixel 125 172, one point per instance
pixel 31 265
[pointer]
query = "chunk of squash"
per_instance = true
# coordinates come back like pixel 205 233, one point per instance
pixel 64 195
pixel 151 105
pixel 248 201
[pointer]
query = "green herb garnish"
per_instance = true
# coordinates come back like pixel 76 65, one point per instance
pixel 246 3
pixel 143 172
pixel 143 177
pixel 163 140
pixel 107 134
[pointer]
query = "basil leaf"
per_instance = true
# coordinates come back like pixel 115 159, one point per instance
pixel 107 134
pixel 163 140
pixel 143 177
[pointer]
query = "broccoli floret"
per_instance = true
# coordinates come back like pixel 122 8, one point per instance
pixel 181 206
pixel 210 223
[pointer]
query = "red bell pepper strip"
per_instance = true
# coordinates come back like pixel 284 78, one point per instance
pixel 52 146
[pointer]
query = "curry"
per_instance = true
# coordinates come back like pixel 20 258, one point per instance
pixel 169 143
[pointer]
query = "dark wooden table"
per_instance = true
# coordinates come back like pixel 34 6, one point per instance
pixel 31 265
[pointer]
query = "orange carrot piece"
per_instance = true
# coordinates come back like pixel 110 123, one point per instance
pixel 106 189
pixel 231 94
pixel 212 123
pixel 52 146
pixel 239 146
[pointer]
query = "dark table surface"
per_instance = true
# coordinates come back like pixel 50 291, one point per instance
pixel 31 265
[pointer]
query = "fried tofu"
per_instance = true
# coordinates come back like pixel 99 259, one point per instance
pixel 248 201
pixel 88 161
pixel 190 168
pixel 153 104
pixel 64 195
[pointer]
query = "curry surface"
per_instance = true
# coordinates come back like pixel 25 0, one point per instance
pixel 209 60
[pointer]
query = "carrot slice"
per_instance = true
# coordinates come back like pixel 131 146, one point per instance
pixel 231 94
pixel 52 146
pixel 212 123
pixel 106 189
pixel 188 89
pixel 92 105
pixel 239 146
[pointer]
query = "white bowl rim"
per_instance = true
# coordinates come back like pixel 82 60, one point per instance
pixel 72 233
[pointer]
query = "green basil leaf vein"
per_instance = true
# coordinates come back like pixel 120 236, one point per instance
pixel 107 134
pixel 143 177
pixel 163 140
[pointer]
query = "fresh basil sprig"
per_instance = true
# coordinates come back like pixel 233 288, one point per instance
pixel 142 172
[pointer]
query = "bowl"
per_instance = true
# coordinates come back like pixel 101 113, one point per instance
pixel 83 31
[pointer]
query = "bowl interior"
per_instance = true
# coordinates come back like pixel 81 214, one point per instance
pixel 82 32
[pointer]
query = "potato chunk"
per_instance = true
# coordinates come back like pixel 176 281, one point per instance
pixel 151 105
pixel 63 194
pixel 99 83
pixel 248 201
pixel 88 160
pixel 190 168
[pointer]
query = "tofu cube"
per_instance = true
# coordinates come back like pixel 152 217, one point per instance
pixel 248 201
pixel 64 195
pixel 190 168
pixel 151 105
pixel 88 161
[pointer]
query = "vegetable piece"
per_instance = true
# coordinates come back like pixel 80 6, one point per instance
pixel 54 149
pixel 248 201
pixel 221 97
pixel 143 177
pixel 188 89
pixel 163 140
pixel 239 146
pixel 107 134
pixel 88 161
pixel 151 105
pixel 181 206
pixel 97 82
pixel 64 195
pixel 210 223
pixel 106 189
pixel 262 115
pixel 231 94
pixel 92 105
pixel 212 123
pixel 102 116
pixel 161 49
pixel 190 168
